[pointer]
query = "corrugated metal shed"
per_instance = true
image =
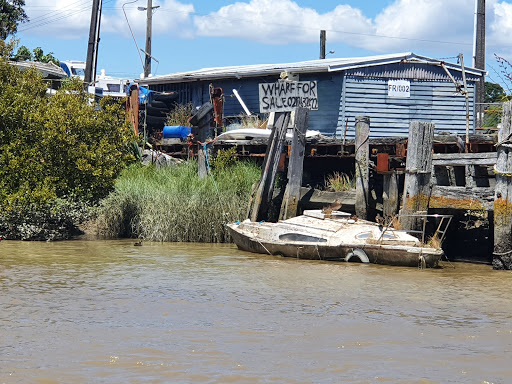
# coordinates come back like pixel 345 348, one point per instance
pixel 346 88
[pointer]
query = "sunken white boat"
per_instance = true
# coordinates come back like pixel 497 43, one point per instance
pixel 335 237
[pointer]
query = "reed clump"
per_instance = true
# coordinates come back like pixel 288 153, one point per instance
pixel 173 204
pixel 338 182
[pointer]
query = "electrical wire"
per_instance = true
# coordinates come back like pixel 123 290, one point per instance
pixel 133 36
pixel 289 26
pixel 52 17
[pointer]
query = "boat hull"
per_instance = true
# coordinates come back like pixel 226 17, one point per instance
pixel 395 255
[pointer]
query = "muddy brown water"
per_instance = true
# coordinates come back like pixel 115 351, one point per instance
pixel 110 312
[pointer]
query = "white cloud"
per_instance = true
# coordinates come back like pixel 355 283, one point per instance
pixel 501 28
pixel 444 26
pixel 59 18
pixel 172 17
pixel 411 21
pixel 402 25
pixel 66 19
pixel 279 22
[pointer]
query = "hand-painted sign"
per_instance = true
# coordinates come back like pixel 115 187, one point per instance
pixel 399 88
pixel 286 95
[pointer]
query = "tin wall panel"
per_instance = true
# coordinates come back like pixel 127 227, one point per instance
pixel 429 101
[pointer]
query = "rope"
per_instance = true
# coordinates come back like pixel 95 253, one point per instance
pixel 501 173
pixel 265 248
pixel 503 253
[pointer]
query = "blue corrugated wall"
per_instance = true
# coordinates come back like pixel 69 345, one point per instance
pixel 343 95
pixel 324 120
pixel 429 101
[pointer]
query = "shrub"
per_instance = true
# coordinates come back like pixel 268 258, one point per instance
pixel 54 149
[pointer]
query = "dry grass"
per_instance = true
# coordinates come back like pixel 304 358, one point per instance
pixel 434 242
pixel 338 182
pixel 252 121
pixel 395 223
pixel 180 115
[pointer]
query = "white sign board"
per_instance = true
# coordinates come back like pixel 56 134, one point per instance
pixel 286 95
pixel 399 88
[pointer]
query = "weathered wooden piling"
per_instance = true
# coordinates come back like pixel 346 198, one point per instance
pixel 202 170
pixel 362 154
pixel 418 171
pixel 260 200
pixel 295 165
pixel 390 194
pixel 502 255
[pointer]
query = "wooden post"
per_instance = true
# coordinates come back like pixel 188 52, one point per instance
pixel 418 172
pixel 295 165
pixel 322 44
pixel 390 194
pixel 265 187
pixel 362 153
pixel 202 171
pixel 502 255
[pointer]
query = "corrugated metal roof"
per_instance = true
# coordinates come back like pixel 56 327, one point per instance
pixel 324 65
pixel 46 69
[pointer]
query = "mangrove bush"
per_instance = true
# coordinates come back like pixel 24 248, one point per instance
pixel 58 154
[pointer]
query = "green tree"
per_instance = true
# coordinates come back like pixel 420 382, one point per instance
pixel 55 152
pixel 40 56
pixel 11 14
pixel 23 54
pixel 494 93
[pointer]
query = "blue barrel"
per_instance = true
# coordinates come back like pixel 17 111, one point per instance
pixel 176 132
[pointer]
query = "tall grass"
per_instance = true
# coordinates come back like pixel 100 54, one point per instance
pixel 173 204
pixel 338 182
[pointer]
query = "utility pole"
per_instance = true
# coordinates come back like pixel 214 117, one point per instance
pixel 479 57
pixel 92 47
pixel 322 44
pixel 149 22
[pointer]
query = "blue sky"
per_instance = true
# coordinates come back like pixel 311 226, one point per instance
pixel 195 34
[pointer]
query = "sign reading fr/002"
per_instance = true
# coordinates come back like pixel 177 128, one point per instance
pixel 399 88
pixel 286 95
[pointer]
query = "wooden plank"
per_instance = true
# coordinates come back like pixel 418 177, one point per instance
pixel 502 255
pixel 295 165
pixel 260 202
pixel 315 198
pixel 362 154
pixel 390 195
pixel 463 159
pixel 462 198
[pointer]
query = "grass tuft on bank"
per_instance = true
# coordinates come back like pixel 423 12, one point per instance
pixel 173 204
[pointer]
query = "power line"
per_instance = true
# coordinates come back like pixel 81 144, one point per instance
pixel 279 24
pixel 52 17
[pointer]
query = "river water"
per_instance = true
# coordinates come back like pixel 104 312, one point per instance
pixel 110 312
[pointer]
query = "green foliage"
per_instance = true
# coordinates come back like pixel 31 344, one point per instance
pixel 173 204
pixel 40 56
pixel 224 158
pixel 11 14
pixel 494 93
pixel 51 148
pixel 338 182
pixel 492 116
pixel 23 54
pixel 505 72
pixel 180 115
